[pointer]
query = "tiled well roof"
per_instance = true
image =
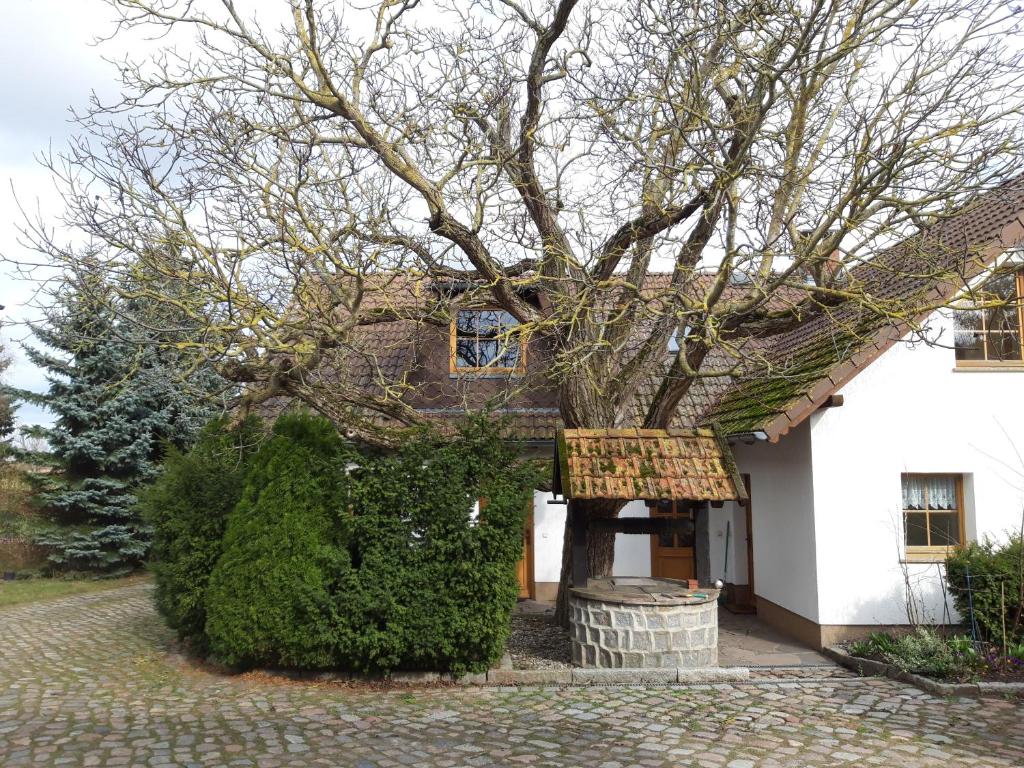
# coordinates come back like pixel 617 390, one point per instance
pixel 681 464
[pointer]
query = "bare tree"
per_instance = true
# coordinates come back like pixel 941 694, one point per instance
pixel 559 146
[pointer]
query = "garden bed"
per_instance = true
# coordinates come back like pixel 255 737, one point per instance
pixel 949 666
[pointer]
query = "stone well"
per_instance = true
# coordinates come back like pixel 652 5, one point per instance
pixel 637 623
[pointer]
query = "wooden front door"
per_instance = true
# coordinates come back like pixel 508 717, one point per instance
pixel 524 568
pixel 672 554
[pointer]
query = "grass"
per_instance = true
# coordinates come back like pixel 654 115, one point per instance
pixel 36 590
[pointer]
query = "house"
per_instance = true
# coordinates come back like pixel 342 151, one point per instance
pixel 867 448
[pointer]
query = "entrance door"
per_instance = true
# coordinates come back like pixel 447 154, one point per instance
pixel 524 568
pixel 672 554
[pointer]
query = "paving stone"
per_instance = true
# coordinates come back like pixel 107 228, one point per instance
pixel 95 680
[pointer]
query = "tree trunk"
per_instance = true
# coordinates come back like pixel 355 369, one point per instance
pixel 600 551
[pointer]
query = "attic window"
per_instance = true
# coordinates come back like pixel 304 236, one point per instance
pixel 485 340
pixel 988 330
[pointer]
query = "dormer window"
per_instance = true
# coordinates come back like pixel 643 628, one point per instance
pixel 988 331
pixel 485 341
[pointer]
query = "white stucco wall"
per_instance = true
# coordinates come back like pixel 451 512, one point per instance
pixel 632 553
pixel 909 411
pixel 781 489
pixel 728 525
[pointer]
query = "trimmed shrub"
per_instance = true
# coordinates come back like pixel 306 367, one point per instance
pixel 990 565
pixel 188 507
pixel 268 601
pixel 429 587
pixel 366 561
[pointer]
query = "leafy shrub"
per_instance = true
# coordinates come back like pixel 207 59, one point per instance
pixel 428 587
pixel 989 565
pixel 268 600
pixel 188 508
pixel 334 557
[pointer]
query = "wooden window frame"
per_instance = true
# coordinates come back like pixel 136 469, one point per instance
pixel 1013 363
pixel 930 554
pixel 453 357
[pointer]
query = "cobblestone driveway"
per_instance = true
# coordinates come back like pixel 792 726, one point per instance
pixel 89 681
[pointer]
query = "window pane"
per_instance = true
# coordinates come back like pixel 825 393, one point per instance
pixel 1003 287
pixel 941 492
pixel 1003 346
pixel 944 528
pixel 916 529
pixel 913 492
pixel 490 325
pixel 967 335
pixel 466 322
pixel 465 353
pixel 487 352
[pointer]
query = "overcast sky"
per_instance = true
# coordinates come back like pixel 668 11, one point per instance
pixel 50 63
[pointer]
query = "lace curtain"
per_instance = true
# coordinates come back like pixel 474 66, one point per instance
pixel 937 491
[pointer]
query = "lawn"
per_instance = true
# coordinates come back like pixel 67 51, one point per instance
pixel 33 590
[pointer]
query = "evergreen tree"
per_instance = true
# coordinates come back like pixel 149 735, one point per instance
pixel 118 406
pixel 7 406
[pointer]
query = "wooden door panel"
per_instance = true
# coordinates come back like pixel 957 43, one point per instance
pixel 673 555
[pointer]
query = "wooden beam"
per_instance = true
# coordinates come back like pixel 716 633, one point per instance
pixel 580 523
pixel 643 525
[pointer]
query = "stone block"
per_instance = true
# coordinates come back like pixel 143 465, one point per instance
pixel 529 677
pixel 610 639
pixel 600 618
pixel 624 676
pixel 712 675
pixel 479 678
pixel 641 641
pixel 623 619
pixel 655 620
pixel 662 640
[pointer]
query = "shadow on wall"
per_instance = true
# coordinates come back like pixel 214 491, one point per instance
pixel 918 596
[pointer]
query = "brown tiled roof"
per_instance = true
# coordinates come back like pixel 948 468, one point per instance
pixel 805 366
pixel 782 380
pixel 691 464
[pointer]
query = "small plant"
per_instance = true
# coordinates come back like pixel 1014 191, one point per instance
pixel 923 652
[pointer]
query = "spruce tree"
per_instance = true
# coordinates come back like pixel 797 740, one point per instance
pixel 118 406
pixel 7 406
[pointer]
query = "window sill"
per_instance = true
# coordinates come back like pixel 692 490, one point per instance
pixel 918 558
pixel 990 368
pixel 486 375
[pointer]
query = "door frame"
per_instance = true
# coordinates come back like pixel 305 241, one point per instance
pixel 529 544
pixel 748 508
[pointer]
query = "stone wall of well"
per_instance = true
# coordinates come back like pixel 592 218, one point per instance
pixel 610 635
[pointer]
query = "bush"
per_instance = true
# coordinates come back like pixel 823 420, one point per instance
pixel 188 509
pixel 357 560
pixel 427 586
pixel 268 601
pixel 989 565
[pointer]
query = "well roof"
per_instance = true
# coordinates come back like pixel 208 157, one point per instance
pixel 651 464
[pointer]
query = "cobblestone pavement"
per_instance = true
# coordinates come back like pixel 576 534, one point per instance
pixel 90 681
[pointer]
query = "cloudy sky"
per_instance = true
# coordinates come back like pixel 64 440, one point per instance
pixel 51 62
pixel 49 65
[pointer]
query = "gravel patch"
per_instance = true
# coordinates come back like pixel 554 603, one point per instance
pixel 537 642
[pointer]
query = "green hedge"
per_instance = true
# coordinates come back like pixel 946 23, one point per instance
pixel 990 565
pixel 188 510
pixel 334 557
